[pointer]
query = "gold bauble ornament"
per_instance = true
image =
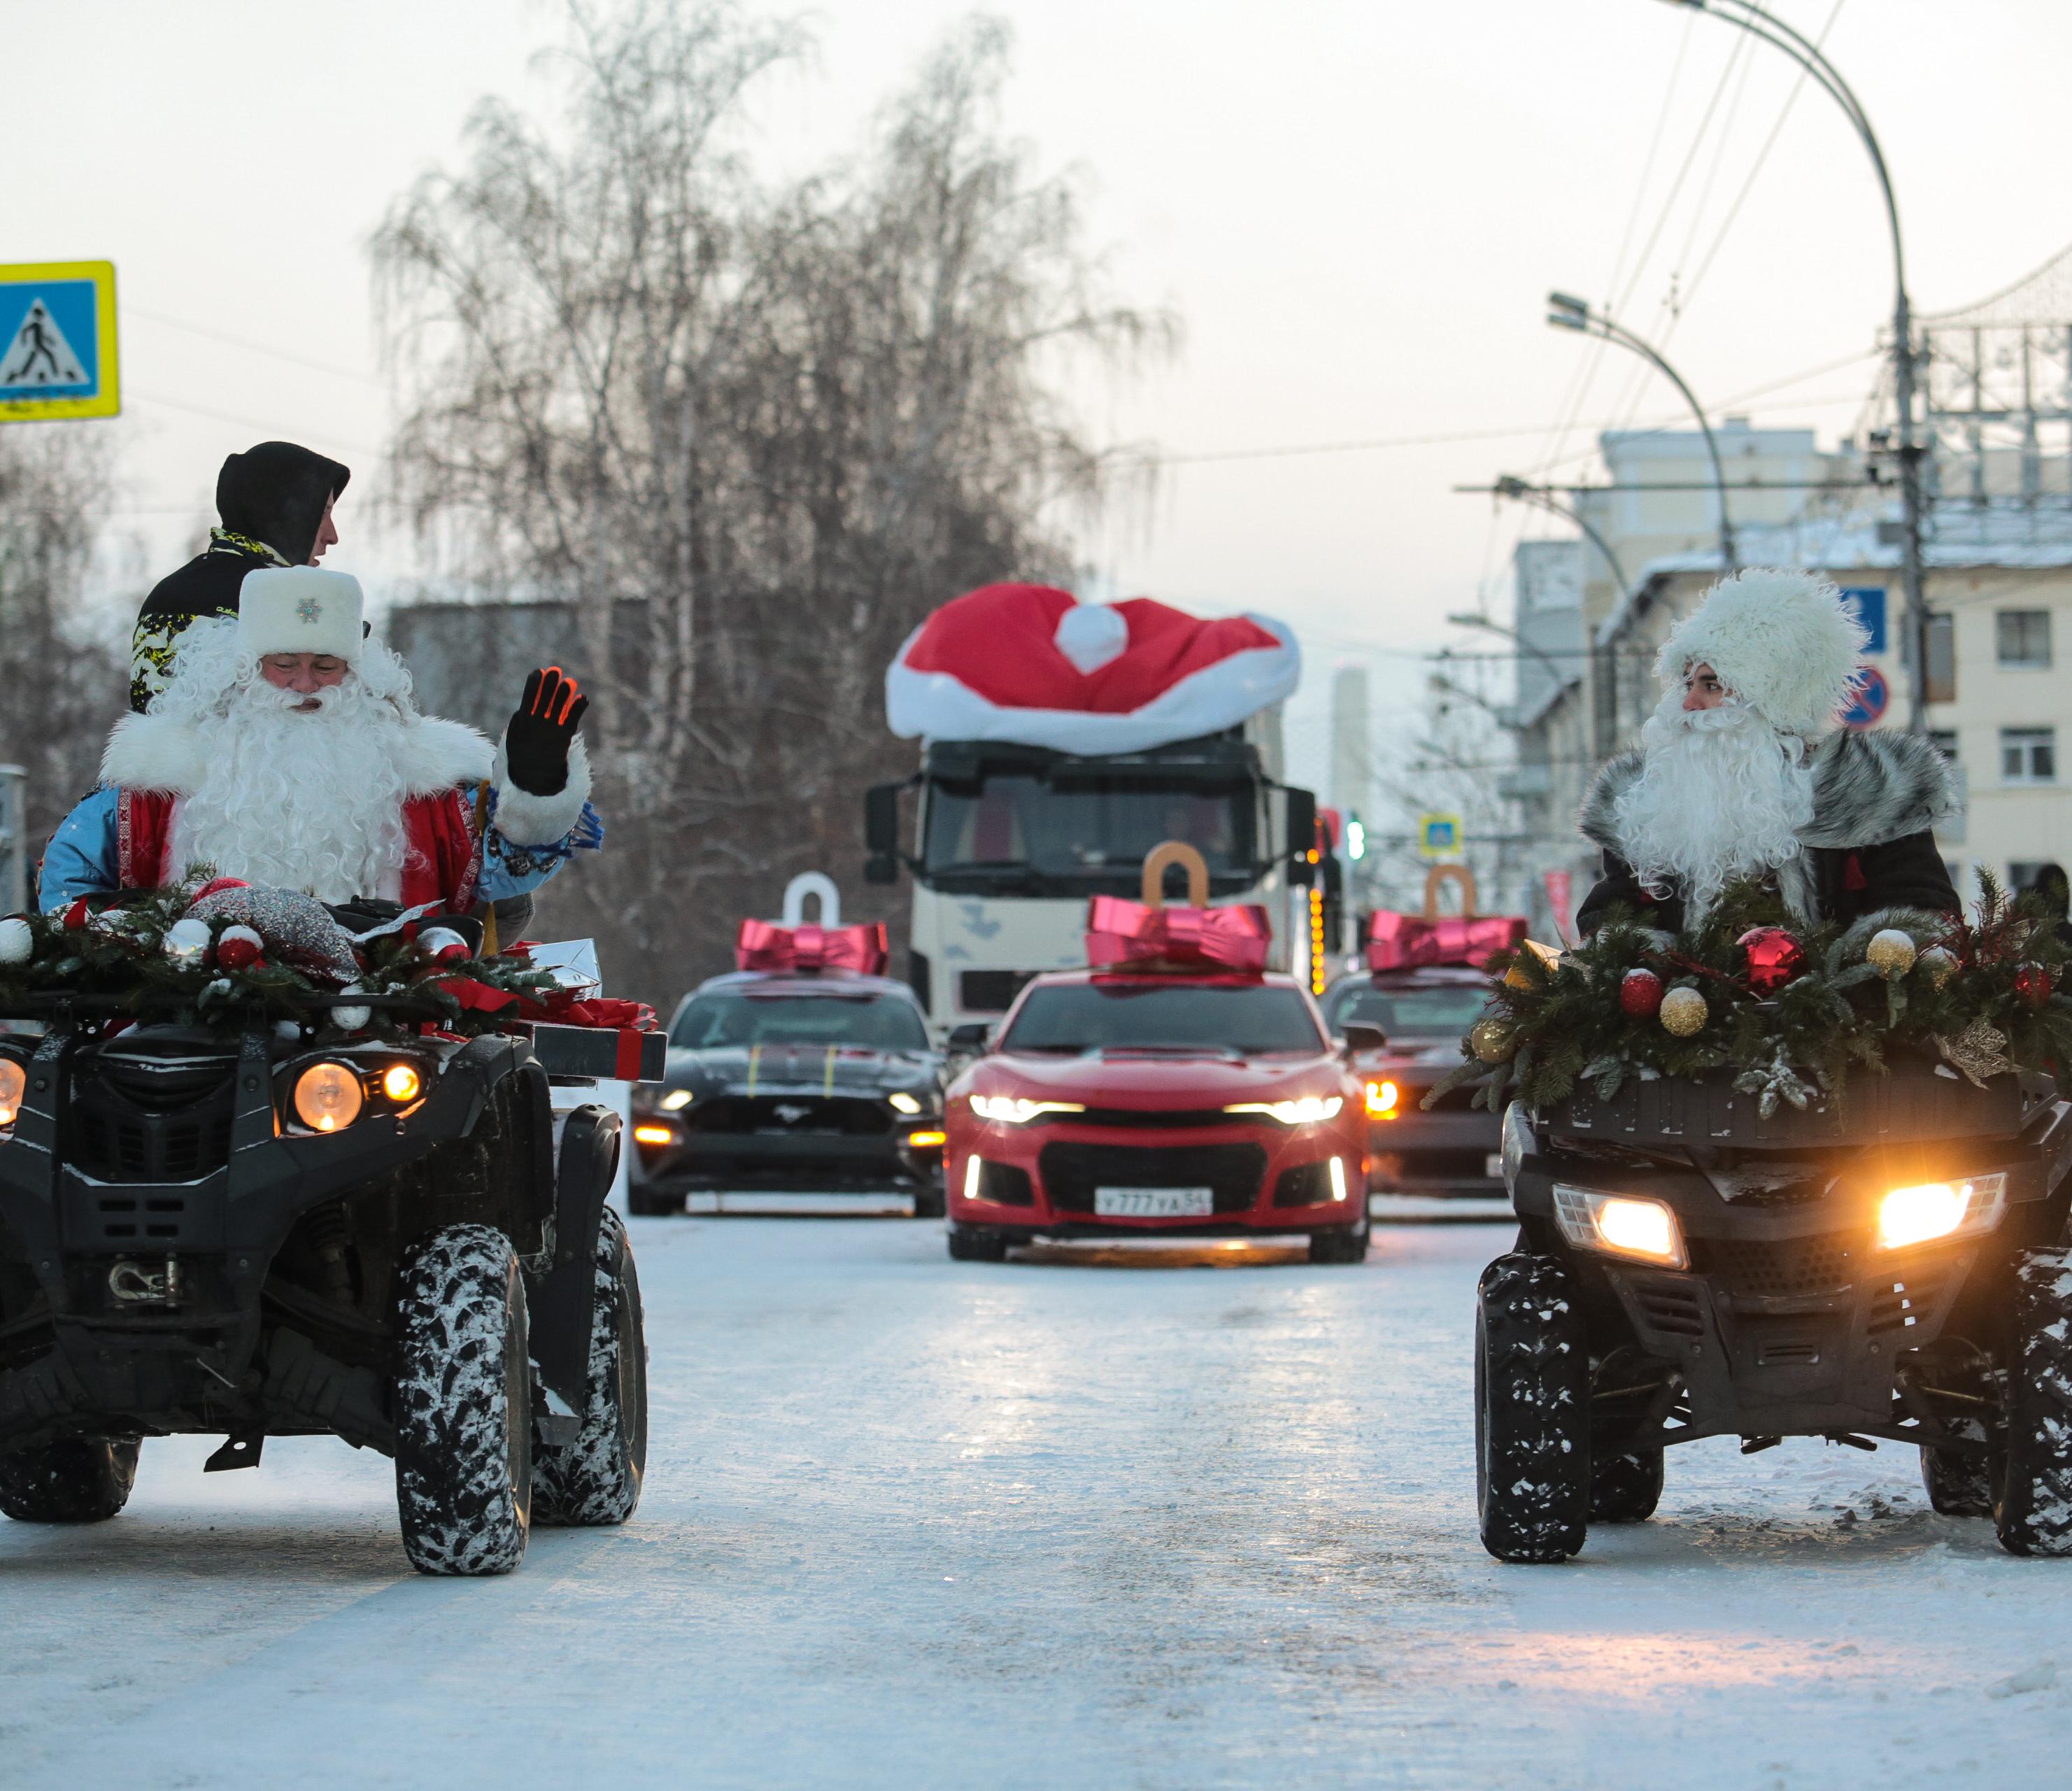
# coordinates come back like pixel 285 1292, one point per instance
pixel 1490 1040
pixel 1684 1012
pixel 1941 965
pixel 1890 952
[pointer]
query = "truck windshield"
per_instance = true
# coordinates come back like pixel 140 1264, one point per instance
pixel 1087 1016
pixel 1011 831
pixel 881 1022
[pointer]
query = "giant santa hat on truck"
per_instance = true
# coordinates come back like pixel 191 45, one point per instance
pixel 1034 664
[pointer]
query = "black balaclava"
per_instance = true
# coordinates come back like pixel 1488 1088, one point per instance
pixel 276 493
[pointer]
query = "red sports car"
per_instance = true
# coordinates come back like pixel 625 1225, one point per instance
pixel 1194 1105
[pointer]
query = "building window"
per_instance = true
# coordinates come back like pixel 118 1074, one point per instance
pixel 1944 740
pixel 2025 638
pixel 2029 755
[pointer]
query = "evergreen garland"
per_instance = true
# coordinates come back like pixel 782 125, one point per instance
pixel 1558 1021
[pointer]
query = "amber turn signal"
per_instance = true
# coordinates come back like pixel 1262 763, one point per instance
pixel 654 1134
pixel 401 1082
pixel 13 1085
pixel 926 1141
pixel 328 1098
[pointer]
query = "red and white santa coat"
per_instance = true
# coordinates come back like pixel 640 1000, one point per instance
pixel 470 833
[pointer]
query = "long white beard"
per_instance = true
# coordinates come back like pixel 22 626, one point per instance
pixel 1721 795
pixel 309 802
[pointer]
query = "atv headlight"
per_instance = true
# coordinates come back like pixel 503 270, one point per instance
pixel 1933 1210
pixel 1011 1109
pixel 1311 1109
pixel 1620 1224
pixel 14 1084
pixel 328 1096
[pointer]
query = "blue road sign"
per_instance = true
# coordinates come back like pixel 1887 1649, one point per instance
pixel 1866 602
pixel 57 341
pixel 1873 698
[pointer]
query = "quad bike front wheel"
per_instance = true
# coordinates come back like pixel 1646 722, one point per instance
pixel 73 1480
pixel 2033 1511
pixel 596 1479
pixel 463 1405
pixel 1532 1430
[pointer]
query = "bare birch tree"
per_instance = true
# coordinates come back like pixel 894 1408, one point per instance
pixel 754 434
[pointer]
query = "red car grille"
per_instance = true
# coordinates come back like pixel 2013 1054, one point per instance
pixel 1071 1171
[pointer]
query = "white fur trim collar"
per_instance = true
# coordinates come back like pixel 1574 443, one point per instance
pixel 157 752
pixel 525 819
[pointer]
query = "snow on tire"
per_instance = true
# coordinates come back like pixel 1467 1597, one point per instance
pixel 463 1405
pixel 73 1480
pixel 1532 1437
pixel 2034 1514
pixel 596 1480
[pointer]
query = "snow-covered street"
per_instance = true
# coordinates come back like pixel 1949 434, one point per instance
pixel 1080 1522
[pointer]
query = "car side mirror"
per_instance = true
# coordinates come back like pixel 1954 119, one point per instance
pixel 970 1036
pixel 1359 1037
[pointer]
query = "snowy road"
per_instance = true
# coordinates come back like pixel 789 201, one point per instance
pixel 918 1525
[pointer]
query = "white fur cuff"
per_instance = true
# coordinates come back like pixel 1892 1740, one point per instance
pixel 525 819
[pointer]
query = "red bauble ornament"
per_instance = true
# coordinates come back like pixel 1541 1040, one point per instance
pixel 239 949
pixel 2033 984
pixel 1774 957
pixel 1640 994
pixel 444 945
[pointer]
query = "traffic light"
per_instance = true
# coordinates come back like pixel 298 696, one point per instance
pixel 1355 837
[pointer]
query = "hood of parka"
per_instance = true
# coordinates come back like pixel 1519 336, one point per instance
pixel 276 493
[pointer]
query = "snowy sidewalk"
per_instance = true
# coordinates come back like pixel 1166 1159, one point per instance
pixel 922 1525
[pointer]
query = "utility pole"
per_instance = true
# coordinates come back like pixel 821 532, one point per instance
pixel 1757 22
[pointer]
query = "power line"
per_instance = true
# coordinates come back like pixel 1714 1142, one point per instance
pixel 246 343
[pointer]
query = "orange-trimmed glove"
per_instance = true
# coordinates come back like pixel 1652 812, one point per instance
pixel 543 728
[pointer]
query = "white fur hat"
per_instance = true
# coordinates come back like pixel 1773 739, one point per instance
pixel 1782 641
pixel 300 609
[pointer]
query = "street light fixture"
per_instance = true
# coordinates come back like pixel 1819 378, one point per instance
pixel 1566 312
pixel 1752 18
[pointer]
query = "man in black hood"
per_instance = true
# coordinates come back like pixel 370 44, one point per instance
pixel 275 502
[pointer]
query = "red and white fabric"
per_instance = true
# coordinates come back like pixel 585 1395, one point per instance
pixel 1033 665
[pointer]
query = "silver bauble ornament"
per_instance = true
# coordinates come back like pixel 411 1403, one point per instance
pixel 18 940
pixel 1890 952
pixel 186 942
pixel 1684 1012
pixel 355 1019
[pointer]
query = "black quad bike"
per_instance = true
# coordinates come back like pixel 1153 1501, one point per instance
pixel 1896 1266
pixel 286 1230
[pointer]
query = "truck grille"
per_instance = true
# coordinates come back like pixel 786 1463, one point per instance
pixel 1072 1171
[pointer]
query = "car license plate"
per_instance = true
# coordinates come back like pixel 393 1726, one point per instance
pixel 1153 1203
pixel 1492 1166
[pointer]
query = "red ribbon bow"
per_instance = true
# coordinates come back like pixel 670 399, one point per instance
pixel 1128 934
pixel 1400 941
pixel 765 945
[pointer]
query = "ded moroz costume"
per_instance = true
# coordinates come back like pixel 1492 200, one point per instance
pixel 1767 784
pixel 336 784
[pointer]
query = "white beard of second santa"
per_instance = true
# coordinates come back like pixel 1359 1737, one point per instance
pixel 1721 795
pixel 311 801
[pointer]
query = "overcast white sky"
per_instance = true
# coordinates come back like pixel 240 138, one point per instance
pixel 1356 207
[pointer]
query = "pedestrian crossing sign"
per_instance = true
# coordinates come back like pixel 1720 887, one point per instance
pixel 1439 835
pixel 57 341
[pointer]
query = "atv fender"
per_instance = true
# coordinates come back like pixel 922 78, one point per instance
pixel 563 1300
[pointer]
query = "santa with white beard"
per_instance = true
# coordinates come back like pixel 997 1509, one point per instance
pixel 1743 771
pixel 286 750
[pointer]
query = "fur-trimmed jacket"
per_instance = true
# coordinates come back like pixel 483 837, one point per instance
pixel 1876 799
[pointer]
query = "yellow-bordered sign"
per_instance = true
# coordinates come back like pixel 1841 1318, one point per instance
pixel 57 355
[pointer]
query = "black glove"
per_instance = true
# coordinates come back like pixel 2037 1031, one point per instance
pixel 535 744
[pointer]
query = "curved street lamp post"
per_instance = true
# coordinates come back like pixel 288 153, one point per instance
pixel 1757 22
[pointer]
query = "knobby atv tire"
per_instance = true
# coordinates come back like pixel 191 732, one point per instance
pixel 596 1480
pixel 1532 1433
pixel 1624 1489
pixel 2033 1514
pixel 74 1480
pixel 463 1405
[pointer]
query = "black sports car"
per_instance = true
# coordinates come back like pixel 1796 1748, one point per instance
pixel 797 1081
